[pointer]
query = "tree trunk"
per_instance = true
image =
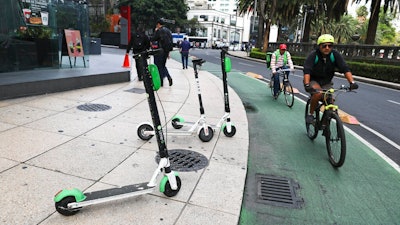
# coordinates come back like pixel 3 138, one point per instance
pixel 307 28
pixel 259 42
pixel 373 22
pixel 266 36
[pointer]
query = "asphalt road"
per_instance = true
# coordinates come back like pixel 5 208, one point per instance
pixel 374 107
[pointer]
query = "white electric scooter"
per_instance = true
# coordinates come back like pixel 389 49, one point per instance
pixel 69 201
pixel 205 132
pixel 225 123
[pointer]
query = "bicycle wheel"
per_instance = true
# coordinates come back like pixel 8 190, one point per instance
pixel 335 140
pixel 288 91
pixel 312 128
pixel 271 85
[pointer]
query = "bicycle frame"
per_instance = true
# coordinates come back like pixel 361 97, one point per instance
pixel 330 124
pixel 284 86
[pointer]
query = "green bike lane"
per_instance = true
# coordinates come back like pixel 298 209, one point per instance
pixel 365 190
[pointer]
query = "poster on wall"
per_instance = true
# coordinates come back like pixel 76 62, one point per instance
pixel 74 43
pixel 35 12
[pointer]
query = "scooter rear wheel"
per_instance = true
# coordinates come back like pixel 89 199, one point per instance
pixel 62 206
pixel 203 136
pixel 142 129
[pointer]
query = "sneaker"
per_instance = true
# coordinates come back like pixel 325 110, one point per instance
pixel 310 119
pixel 170 81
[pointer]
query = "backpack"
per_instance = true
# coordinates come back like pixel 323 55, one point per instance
pixel 166 39
pixel 277 53
pixel 268 57
pixel 331 56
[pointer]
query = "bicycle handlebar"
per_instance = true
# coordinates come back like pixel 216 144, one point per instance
pixel 149 52
pixel 332 90
pixel 284 70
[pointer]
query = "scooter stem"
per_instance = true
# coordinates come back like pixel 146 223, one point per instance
pixel 164 162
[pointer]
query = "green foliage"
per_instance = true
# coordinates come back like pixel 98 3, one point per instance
pixel 191 27
pixel 373 69
pixel 98 24
pixel 147 12
pixel 34 32
pixel 384 72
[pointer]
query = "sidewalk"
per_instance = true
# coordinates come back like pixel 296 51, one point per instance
pixel 48 143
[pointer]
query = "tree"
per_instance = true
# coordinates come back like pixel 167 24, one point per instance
pixel 192 26
pixel 374 18
pixel 147 12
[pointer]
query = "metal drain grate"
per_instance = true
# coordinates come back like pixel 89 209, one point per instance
pixel 94 107
pixel 136 90
pixel 278 191
pixel 185 160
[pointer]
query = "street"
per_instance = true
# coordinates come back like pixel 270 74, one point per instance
pixel 373 106
pixel 363 191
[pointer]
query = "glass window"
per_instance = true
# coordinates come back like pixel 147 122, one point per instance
pixel 31 36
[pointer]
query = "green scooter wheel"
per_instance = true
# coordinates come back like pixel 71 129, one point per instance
pixel 230 134
pixel 62 206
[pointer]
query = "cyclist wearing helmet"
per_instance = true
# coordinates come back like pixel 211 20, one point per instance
pixel 280 59
pixel 319 69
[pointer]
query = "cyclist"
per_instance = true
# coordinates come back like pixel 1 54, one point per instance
pixel 279 60
pixel 319 69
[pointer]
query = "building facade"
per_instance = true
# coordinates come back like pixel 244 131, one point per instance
pixel 222 23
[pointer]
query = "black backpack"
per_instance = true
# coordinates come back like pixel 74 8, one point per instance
pixel 166 39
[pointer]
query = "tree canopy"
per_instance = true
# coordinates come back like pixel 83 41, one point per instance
pixel 147 12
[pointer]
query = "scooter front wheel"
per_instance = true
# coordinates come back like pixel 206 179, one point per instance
pixel 62 206
pixel 203 136
pixel 142 129
pixel 168 190
pixel 230 134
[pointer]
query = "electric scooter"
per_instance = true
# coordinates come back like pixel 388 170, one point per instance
pixel 69 201
pixel 205 132
pixel 225 123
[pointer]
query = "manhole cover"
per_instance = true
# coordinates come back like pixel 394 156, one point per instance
pixel 278 191
pixel 185 160
pixel 136 90
pixel 94 107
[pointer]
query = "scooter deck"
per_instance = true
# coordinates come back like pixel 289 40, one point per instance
pixel 116 191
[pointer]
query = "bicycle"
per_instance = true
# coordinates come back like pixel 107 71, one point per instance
pixel 285 86
pixel 330 124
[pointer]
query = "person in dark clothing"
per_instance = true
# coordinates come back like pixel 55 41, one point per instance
pixel 161 34
pixel 138 43
pixel 184 49
pixel 319 69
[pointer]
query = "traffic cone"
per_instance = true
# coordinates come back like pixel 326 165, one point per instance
pixel 126 61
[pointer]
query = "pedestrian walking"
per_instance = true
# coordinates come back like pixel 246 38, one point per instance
pixel 138 43
pixel 163 37
pixel 184 50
